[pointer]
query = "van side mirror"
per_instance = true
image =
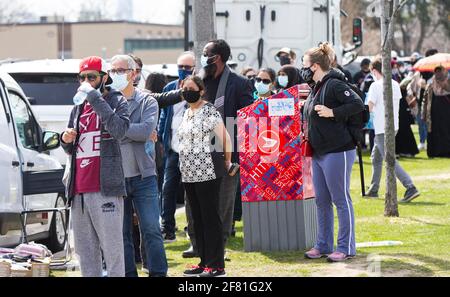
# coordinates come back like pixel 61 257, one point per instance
pixel 50 141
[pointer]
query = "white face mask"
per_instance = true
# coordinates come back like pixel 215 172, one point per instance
pixel 120 81
pixel 204 61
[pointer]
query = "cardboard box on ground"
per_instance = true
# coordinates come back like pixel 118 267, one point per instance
pixel 26 260
pixel 33 269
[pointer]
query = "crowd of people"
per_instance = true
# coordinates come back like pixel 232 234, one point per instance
pixel 135 152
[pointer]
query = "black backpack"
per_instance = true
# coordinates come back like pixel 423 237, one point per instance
pixel 356 122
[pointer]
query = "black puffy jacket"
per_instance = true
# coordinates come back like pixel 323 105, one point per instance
pixel 331 135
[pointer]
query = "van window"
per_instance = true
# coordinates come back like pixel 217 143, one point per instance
pixel 25 122
pixel 48 88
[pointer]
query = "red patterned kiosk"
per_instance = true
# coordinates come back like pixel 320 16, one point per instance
pixel 276 185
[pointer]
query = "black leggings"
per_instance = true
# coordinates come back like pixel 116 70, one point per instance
pixel 204 201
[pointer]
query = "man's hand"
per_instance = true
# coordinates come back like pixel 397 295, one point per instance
pixel 85 87
pixel 323 111
pixel 69 135
pixel 154 136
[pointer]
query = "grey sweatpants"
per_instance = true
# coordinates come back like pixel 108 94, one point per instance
pixel 377 157
pixel 97 229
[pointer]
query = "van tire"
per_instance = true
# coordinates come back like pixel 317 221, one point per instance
pixel 57 240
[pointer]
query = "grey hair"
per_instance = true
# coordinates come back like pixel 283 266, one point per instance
pixel 187 53
pixel 130 61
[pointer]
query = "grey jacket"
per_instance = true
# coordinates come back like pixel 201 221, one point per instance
pixel 143 112
pixel 113 113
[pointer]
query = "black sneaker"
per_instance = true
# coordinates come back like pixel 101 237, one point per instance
pixel 169 237
pixel 213 272
pixel 371 193
pixel 410 194
pixel 193 271
pixel 190 253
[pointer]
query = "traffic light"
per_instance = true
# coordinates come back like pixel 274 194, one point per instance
pixel 357 31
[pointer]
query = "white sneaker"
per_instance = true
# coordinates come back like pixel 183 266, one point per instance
pixel 421 146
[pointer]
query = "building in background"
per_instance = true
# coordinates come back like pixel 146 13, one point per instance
pixel 52 38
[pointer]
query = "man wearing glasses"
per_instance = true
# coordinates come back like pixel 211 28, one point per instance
pixel 171 118
pixel 139 170
pixel 95 185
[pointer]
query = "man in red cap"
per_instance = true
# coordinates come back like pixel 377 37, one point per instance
pixel 95 184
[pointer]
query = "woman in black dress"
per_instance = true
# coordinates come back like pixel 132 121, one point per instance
pixel 405 143
pixel 436 113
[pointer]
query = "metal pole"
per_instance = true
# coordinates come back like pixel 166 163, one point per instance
pixel 203 26
pixel 62 40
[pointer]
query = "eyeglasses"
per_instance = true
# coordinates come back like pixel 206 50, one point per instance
pixel 251 76
pixel 265 80
pixel 119 71
pixel 138 70
pixel 90 76
pixel 185 67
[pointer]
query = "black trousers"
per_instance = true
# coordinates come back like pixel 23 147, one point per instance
pixel 208 228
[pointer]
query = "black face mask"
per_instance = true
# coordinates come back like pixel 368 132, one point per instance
pixel 307 74
pixel 285 60
pixel 191 96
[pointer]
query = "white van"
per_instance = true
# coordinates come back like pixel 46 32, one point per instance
pixel 29 177
pixel 50 85
pixel 257 29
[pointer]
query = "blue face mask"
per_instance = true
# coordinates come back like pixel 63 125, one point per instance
pixel 283 80
pixel 182 73
pixel 262 88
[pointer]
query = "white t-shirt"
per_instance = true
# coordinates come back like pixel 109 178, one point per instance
pixel 375 95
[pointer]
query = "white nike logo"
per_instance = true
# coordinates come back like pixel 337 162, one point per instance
pixel 85 163
pixel 269 142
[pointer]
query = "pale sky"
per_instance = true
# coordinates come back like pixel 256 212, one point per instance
pixel 154 11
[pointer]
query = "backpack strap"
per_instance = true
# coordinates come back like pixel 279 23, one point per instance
pixel 323 91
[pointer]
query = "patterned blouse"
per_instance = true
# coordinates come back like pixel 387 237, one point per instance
pixel 198 160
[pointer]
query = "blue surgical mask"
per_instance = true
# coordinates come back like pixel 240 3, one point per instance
pixel 262 88
pixel 182 73
pixel 283 80
pixel 120 81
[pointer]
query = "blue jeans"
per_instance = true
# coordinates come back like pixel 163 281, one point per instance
pixel 422 128
pixel 170 191
pixel 143 195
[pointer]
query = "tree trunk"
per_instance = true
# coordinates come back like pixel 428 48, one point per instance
pixel 387 35
pixel 203 26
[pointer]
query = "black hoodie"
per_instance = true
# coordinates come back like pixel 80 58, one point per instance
pixel 331 135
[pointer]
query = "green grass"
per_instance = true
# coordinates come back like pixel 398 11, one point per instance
pixel 423 227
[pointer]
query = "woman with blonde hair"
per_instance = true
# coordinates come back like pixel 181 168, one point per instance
pixel 327 110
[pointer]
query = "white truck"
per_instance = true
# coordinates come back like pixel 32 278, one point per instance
pixel 30 179
pixel 257 29
pixel 50 85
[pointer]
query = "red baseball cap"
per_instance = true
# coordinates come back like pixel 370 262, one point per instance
pixel 93 63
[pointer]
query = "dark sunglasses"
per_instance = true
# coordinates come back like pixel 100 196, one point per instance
pixel 251 76
pixel 185 67
pixel 90 76
pixel 265 81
